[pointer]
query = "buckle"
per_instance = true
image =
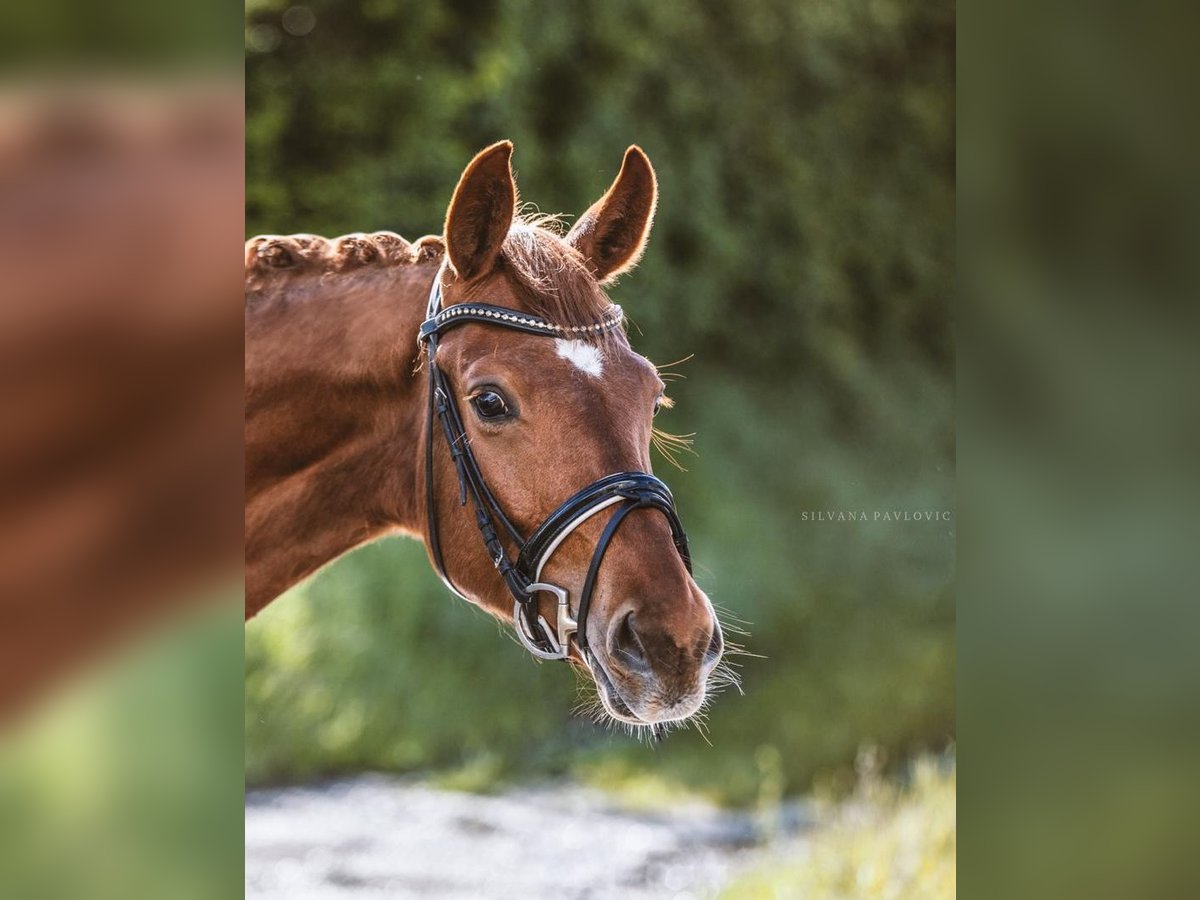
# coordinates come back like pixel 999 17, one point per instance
pixel 559 640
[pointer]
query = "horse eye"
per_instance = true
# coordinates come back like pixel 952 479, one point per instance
pixel 490 405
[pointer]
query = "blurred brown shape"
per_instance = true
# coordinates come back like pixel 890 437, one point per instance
pixel 120 364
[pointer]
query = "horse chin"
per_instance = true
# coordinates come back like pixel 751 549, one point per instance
pixel 616 705
pixel 618 708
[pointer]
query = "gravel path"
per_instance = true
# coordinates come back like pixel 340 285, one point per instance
pixel 374 836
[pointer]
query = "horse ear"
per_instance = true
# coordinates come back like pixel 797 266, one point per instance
pixel 612 234
pixel 481 211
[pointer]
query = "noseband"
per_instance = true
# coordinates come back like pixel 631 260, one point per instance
pixel 623 491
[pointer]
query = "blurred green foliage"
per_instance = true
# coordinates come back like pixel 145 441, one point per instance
pixel 90 40
pixel 802 251
pixel 126 784
pixel 888 843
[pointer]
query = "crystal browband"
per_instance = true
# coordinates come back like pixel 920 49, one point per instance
pixel 482 312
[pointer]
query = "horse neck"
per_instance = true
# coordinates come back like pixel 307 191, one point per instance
pixel 334 421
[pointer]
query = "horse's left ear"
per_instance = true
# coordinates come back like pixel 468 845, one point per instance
pixel 612 234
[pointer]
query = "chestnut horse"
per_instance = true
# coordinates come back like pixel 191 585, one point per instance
pixel 336 419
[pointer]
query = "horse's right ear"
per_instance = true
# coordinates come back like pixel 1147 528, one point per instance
pixel 481 212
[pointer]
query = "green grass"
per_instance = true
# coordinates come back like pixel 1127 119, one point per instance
pixel 886 843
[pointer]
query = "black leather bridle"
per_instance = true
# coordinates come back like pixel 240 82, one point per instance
pixel 622 491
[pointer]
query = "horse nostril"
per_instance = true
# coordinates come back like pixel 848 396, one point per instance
pixel 626 647
pixel 716 646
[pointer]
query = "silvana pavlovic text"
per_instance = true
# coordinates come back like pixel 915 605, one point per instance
pixel 876 515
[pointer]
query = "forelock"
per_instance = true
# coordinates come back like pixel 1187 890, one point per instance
pixel 555 282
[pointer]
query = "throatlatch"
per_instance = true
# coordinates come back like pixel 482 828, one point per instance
pixel 622 491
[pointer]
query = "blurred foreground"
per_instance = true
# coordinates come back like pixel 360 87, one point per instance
pixel 129 784
pixel 380 836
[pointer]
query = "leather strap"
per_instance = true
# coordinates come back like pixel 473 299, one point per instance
pixel 632 485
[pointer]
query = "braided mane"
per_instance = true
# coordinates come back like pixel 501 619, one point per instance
pixel 271 256
pixel 551 275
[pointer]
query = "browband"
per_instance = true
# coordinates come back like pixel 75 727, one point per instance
pixel 439 322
